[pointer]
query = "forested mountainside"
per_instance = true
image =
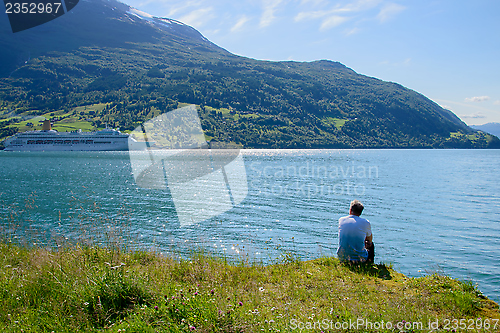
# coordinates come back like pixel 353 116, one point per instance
pixel 104 62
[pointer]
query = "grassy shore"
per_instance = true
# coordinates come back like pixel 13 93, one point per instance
pixel 86 289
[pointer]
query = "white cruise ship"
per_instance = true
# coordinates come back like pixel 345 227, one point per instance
pixel 50 140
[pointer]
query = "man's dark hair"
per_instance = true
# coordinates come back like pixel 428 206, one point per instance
pixel 356 207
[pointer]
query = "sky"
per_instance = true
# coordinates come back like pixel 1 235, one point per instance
pixel 448 50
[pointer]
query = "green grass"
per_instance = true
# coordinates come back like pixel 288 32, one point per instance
pixel 251 116
pixel 93 289
pixel 458 135
pixel 87 108
pixel 73 124
pixel 71 121
pixel 338 123
pixel 226 113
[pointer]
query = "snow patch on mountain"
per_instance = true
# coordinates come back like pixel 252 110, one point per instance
pixel 153 19
pixel 140 14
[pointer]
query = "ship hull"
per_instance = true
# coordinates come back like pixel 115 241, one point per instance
pixel 106 140
pixel 70 147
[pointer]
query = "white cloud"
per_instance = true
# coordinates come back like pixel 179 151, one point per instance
pixel 358 6
pixel 241 22
pixel 337 15
pixel 496 102
pixel 143 3
pixel 313 2
pixel 268 12
pixel 354 7
pixel 476 115
pixel 340 13
pixel 211 32
pixel 302 16
pixel 332 22
pixel 352 31
pixel 197 17
pixel 389 11
pixel 477 99
pixel 182 6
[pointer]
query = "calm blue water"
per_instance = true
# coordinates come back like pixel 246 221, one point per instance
pixel 431 210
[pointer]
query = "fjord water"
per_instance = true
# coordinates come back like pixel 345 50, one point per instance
pixel 431 210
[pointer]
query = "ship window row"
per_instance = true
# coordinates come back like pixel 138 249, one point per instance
pixel 65 142
pixel 58 142
pixel 37 137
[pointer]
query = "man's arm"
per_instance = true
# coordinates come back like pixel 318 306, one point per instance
pixel 368 240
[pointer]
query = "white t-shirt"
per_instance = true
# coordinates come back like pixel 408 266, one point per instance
pixel 352 233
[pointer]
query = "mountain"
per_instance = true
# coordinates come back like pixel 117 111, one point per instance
pixel 127 66
pixel 492 128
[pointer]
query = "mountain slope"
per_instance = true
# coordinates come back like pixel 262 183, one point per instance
pixel 492 128
pixel 104 52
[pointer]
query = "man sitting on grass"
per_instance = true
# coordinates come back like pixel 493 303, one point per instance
pixel 355 236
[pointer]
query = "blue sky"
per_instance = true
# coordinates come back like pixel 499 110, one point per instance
pixel 447 50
